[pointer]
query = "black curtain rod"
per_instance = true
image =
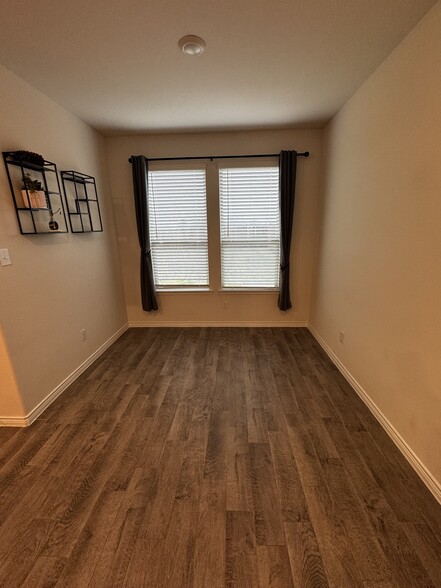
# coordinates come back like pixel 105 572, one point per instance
pixel 211 157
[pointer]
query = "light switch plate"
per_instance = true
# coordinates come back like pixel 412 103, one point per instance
pixel 5 258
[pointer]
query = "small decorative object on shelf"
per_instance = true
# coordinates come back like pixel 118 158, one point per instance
pixel 32 193
pixel 36 193
pixel 29 157
pixel 82 202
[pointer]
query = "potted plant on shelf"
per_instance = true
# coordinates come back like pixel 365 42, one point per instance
pixel 32 193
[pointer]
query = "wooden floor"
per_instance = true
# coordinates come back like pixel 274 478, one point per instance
pixel 212 457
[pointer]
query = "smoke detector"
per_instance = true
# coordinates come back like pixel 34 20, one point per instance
pixel 192 45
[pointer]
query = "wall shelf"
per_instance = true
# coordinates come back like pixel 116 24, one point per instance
pixel 82 202
pixel 36 220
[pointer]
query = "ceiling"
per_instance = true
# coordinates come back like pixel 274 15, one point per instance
pixel 268 64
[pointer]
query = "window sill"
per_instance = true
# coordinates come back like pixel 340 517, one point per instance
pixel 210 290
pixel 248 290
pixel 176 290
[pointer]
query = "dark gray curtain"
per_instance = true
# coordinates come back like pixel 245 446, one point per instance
pixel 140 190
pixel 288 168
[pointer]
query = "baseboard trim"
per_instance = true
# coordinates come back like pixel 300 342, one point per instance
pixel 13 422
pixel 41 407
pixel 426 476
pixel 137 324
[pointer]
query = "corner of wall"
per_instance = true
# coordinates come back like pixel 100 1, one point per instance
pixel 10 399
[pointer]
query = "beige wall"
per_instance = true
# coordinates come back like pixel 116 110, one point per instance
pixel 206 307
pixel 58 284
pixel 379 273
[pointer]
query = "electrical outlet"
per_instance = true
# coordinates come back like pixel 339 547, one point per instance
pixel 225 305
pixel 342 337
pixel 83 334
pixel 5 258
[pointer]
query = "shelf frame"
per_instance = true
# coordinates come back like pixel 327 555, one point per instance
pixel 47 167
pixel 88 183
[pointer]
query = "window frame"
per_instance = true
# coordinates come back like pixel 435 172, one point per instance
pixel 182 166
pixel 245 163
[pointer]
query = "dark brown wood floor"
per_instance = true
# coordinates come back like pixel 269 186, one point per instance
pixel 208 458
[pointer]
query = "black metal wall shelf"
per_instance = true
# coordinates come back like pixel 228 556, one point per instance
pixel 82 202
pixel 35 218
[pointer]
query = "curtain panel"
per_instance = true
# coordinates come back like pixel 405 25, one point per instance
pixel 288 169
pixel 140 192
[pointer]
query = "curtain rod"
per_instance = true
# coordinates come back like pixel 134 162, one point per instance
pixel 211 157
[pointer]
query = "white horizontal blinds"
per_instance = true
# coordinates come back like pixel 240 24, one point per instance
pixel 250 227
pixel 178 227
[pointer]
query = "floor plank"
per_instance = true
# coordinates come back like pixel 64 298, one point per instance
pixel 241 557
pixel 304 555
pixel 274 567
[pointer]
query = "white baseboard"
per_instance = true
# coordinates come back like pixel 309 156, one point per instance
pixel 14 422
pixel 217 324
pixel 426 476
pixel 41 407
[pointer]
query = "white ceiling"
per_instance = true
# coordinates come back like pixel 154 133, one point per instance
pixel 268 64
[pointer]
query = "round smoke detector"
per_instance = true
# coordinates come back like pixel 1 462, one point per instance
pixel 192 45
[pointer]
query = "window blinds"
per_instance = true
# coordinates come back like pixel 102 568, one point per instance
pixel 178 227
pixel 250 227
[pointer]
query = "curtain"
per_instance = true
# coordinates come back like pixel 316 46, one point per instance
pixel 287 168
pixel 140 190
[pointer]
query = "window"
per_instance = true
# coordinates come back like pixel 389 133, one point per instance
pixel 178 228
pixel 250 227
